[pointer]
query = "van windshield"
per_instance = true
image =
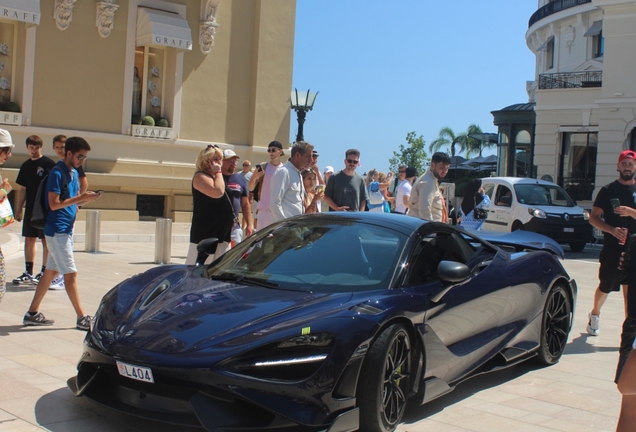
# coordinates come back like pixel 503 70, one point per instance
pixel 538 194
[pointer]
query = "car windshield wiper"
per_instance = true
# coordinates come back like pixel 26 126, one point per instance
pixel 243 279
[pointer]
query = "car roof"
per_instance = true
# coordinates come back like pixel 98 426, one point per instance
pixel 518 180
pixel 403 223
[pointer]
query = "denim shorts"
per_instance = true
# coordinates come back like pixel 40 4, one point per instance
pixel 61 258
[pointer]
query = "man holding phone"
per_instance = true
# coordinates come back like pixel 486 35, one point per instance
pixel 614 213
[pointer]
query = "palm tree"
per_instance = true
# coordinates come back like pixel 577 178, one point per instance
pixel 475 146
pixel 446 138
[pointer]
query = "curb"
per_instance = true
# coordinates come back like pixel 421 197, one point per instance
pixel 131 238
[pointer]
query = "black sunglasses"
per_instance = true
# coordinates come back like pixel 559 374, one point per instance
pixel 351 161
pixel 211 146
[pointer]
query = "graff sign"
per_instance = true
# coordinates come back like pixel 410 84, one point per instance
pixel 152 132
pixel 11 118
pixel 173 42
pixel 17 15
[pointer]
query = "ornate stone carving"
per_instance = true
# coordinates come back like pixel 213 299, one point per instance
pixel 207 27
pixel 63 13
pixel 105 19
pixel 570 36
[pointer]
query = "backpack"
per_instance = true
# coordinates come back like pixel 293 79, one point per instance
pixel 375 196
pixel 40 209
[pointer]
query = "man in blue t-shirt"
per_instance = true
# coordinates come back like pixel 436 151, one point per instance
pixel 62 198
pixel 237 194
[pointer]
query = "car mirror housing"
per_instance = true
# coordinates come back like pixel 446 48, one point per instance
pixel 205 248
pixel 451 273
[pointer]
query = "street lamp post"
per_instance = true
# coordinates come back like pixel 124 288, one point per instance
pixel 301 103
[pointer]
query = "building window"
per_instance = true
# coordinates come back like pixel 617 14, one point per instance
pixel 148 83
pixel 578 164
pixel 8 82
pixel 598 45
pixel 549 54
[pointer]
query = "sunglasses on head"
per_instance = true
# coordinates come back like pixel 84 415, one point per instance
pixel 352 161
pixel 209 146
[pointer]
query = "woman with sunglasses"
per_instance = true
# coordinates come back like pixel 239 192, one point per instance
pixel 6 144
pixel 208 192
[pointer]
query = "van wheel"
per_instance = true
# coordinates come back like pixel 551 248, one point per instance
pixel 577 246
pixel 518 226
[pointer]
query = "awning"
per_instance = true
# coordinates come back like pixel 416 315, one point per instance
pixel 595 29
pixel 162 29
pixel 544 45
pixel 27 11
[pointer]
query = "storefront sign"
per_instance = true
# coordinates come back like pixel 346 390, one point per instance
pixel 11 118
pixel 173 42
pixel 152 132
pixel 18 15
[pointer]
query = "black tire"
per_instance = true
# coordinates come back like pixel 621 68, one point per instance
pixel 577 246
pixel 518 226
pixel 385 380
pixel 555 326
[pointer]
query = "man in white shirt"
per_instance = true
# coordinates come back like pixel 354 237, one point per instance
pixel 260 182
pixel 403 192
pixel 426 201
pixel 286 188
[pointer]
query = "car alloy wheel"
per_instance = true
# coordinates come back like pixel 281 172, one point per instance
pixel 557 321
pixel 385 380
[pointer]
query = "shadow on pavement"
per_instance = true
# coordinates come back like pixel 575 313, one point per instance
pixel 579 345
pixel 19 328
pixel 61 411
pixel 467 389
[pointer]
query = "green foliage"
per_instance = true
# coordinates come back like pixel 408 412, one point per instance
pixel 148 121
pixel 10 107
pixel 448 138
pixel 163 122
pixel 413 154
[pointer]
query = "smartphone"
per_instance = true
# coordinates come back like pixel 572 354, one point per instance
pixel 100 191
pixel 319 188
pixel 259 168
pixel 615 202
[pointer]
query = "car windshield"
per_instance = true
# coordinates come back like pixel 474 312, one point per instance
pixel 316 255
pixel 539 194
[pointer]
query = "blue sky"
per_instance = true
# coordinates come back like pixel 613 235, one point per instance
pixel 384 69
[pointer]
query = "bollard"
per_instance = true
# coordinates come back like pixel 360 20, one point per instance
pixel 93 229
pixel 163 241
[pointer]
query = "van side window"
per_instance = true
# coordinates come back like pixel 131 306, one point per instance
pixel 504 197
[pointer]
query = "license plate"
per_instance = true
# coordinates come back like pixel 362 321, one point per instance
pixel 568 229
pixel 139 373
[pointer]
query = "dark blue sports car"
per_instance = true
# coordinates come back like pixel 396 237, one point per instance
pixel 326 322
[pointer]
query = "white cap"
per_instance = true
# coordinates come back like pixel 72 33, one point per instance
pixel 5 139
pixel 328 169
pixel 229 154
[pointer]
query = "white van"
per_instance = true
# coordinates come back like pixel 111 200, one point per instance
pixel 538 206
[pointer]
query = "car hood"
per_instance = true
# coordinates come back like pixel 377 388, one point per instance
pixel 180 311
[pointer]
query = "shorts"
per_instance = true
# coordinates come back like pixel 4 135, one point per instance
pixel 610 278
pixel 61 258
pixel 28 230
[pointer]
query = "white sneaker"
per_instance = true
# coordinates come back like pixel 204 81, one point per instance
pixel 594 324
pixel 57 283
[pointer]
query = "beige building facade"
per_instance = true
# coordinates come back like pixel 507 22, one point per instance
pixel 584 89
pixel 203 71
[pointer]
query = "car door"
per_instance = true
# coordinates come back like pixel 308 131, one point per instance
pixel 501 208
pixel 462 329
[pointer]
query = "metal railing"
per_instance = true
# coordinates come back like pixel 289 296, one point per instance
pixel 570 80
pixel 554 7
pixel 579 188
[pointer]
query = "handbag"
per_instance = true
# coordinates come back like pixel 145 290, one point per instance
pixel 375 196
pixel 6 213
pixel 479 213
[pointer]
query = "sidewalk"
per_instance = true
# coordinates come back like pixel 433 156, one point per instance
pixel 575 395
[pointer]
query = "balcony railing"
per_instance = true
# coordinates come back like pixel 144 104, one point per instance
pixel 554 7
pixel 579 188
pixel 570 80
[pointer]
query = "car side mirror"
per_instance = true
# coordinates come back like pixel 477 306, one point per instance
pixel 205 248
pixel 450 273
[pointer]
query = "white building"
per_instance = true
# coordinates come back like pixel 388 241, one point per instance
pixel 584 89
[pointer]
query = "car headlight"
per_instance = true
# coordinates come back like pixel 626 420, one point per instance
pixel 292 359
pixel 586 215
pixel 536 212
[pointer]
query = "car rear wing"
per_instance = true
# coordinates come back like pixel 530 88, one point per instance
pixel 521 240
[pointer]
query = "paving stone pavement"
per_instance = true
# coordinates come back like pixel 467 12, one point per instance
pixel 577 394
